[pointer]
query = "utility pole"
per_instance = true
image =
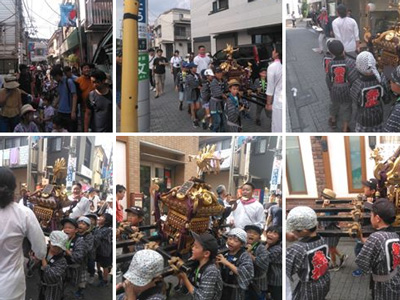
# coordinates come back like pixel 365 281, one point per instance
pixel 232 168
pixel 78 10
pixel 130 61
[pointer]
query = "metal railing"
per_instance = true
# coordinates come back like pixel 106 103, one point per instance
pixel 98 13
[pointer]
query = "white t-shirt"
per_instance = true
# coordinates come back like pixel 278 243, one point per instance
pixel 95 200
pixel 151 61
pixel 16 223
pixel 346 31
pixel 81 209
pixel 249 214
pixel 202 63
pixel 176 61
pixel 274 87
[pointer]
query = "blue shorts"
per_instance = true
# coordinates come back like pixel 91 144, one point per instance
pixel 192 101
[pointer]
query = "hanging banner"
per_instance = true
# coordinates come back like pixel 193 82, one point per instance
pixel 68 15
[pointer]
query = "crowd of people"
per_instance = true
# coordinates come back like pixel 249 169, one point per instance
pixel 44 98
pixel 245 264
pixel 311 256
pixel 214 101
pixel 353 79
pixel 67 259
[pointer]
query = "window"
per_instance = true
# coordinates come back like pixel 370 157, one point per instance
pixel 355 162
pixel 56 144
pixel 88 153
pixel 10 143
pixel 294 167
pixel 180 31
pixel 219 5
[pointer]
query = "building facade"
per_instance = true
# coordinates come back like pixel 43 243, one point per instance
pixel 172 31
pixel 12 36
pixel 236 22
pixel 340 163
pixel 253 159
pixel 142 159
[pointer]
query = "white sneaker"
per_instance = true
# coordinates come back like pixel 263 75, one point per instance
pixel 317 50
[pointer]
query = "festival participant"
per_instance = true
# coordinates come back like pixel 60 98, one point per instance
pixel 205 282
pixel 260 85
pixel 84 231
pixel 75 254
pixel 381 252
pixel 308 258
pixel 274 89
pixel 247 210
pixel 180 83
pixel 218 87
pixel 259 255
pixel 274 272
pixel 233 107
pixel 54 268
pixel 346 30
pixel 202 60
pixel 237 268
pixel 370 92
pixel 103 245
pixel 143 281
pixel 205 98
pixel 16 222
pixel 192 92
pixel 339 78
pixel 393 122
pixel 80 205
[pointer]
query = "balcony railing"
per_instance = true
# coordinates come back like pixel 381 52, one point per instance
pixel 182 37
pixel 98 14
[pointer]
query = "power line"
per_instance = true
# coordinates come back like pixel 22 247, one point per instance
pixel 7 7
pixel 8 18
pixel 52 8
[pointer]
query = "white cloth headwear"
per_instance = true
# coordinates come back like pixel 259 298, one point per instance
pixel 366 64
pixel 300 218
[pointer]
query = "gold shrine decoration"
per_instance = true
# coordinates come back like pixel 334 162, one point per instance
pixel 207 160
pixel 59 170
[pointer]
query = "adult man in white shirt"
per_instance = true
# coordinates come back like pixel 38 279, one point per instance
pixel 274 89
pixel 346 30
pixel 175 62
pixel 247 210
pixel 82 206
pixel 152 56
pixel 202 60
pixel 16 223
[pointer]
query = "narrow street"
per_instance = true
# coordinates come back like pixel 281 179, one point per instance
pixel 165 115
pixel 309 110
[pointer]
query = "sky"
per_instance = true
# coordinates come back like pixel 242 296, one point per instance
pixel 156 7
pixel 107 144
pixel 44 15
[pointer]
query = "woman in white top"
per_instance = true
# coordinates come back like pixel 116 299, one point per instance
pixel 16 222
